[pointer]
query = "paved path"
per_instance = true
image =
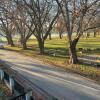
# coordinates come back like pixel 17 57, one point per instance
pixel 55 81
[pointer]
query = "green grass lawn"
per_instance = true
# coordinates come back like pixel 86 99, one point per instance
pixel 60 47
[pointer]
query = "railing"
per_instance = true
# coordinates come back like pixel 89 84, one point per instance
pixel 20 97
pixel 22 85
pixel 19 88
pixel 6 76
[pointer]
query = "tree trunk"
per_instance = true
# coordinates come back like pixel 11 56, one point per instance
pixel 24 45
pixel 9 40
pixel 87 35
pixel 50 37
pixel 94 33
pixel 41 46
pixel 23 41
pixel 61 34
pixel 21 38
pixel 72 51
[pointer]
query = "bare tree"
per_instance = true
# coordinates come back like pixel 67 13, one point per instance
pixel 40 12
pixel 75 13
pixel 6 20
pixel 60 27
pixel 22 23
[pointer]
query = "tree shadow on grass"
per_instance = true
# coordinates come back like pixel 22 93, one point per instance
pixel 56 52
pixel 49 51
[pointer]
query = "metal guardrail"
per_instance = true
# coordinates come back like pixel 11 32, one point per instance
pixel 24 84
pixel 6 76
pixel 20 97
pixel 19 88
pixel 44 94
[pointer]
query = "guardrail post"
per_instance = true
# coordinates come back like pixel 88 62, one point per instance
pixel 28 95
pixel 11 85
pixel 1 74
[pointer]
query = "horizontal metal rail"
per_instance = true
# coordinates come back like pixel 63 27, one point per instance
pixel 20 97
pixel 27 84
